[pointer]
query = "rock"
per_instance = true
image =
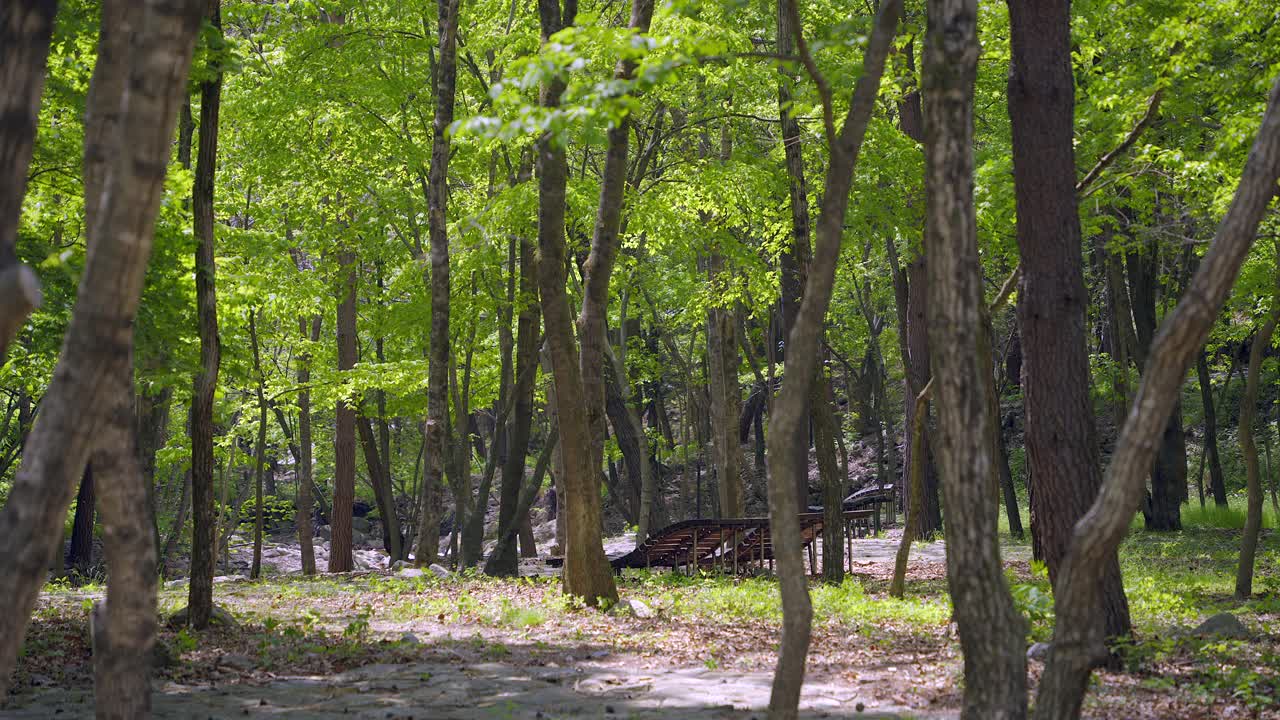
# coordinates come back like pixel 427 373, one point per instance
pixel 324 531
pixel 399 565
pixel 235 661
pixel 409 639
pixel 358 538
pixel 440 570
pixel 361 524
pixel 1039 651
pixel 219 616
pixel 180 582
pixel 39 680
pixel 634 608
pixel 410 572
pixel 1222 625
pixel 163 656
pixel 229 579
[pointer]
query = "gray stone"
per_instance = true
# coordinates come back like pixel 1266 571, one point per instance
pixel 360 524
pixel 180 582
pixel 358 538
pixel 1222 625
pixel 324 531
pixel 399 565
pixel 236 661
pixel 440 570
pixel 632 607
pixel 410 572
pixel 409 639
pixel 1039 651
pixel 229 579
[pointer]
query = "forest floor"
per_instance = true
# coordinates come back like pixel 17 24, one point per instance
pixel 378 644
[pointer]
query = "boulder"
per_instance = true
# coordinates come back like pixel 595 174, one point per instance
pixel 236 661
pixel 632 607
pixel 440 570
pixel 324 531
pixel 361 524
pixel 410 572
pixel 1039 651
pixel 1222 625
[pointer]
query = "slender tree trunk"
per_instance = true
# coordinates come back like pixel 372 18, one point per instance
pixel 1061 434
pixel 179 523
pixel 1077 641
pixel 200 590
pixel 915 494
pixel 127 146
pixel 803 345
pixel 726 395
pixel 383 491
pixel 991 629
pixel 795 257
pixel 260 447
pixel 1249 448
pixel 1217 483
pixel 80 553
pixel 825 429
pixel 344 428
pixel 446 77
pixel 306 478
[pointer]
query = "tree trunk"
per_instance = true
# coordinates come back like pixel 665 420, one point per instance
pixel 825 430
pixel 1061 433
pixel 914 336
pixel 915 493
pixel 795 257
pixel 446 77
pixel 1249 448
pixel 200 592
pixel 726 396
pixel 1161 511
pixel 127 146
pixel 260 446
pixel 1077 641
pixel 991 629
pixel 383 491
pixel 179 523
pixel 26 27
pixel 124 625
pixel 344 427
pixel 80 553
pixel 803 345
pixel 586 569
pixel 1217 482
pixel 306 478
pixel 505 563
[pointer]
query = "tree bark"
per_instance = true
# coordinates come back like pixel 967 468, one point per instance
pixel 990 627
pixel 306 480
pixel 260 447
pixel 344 426
pixel 1249 448
pixel 446 77
pixel 80 552
pixel 803 344
pixel 1217 482
pixel 1077 641
pixel 586 569
pixel 131 110
pixel 726 396
pixel 203 550
pixel 383 490
pixel 1061 433
pixel 26 27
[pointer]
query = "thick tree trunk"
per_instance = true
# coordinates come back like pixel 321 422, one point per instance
pixel 203 550
pixel 1077 641
pixel 726 397
pixel 446 78
pixel 124 625
pixel 80 552
pixel 1217 482
pixel 1161 511
pixel 1249 448
pixel 1061 434
pixel 990 627
pixel 344 426
pixel 803 345
pixel 132 106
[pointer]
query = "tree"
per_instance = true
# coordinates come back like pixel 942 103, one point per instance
pixel 344 426
pixel 1249 448
pixel 803 347
pixel 446 76
pixel 1077 640
pixel 126 148
pixel 203 541
pixel 1061 436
